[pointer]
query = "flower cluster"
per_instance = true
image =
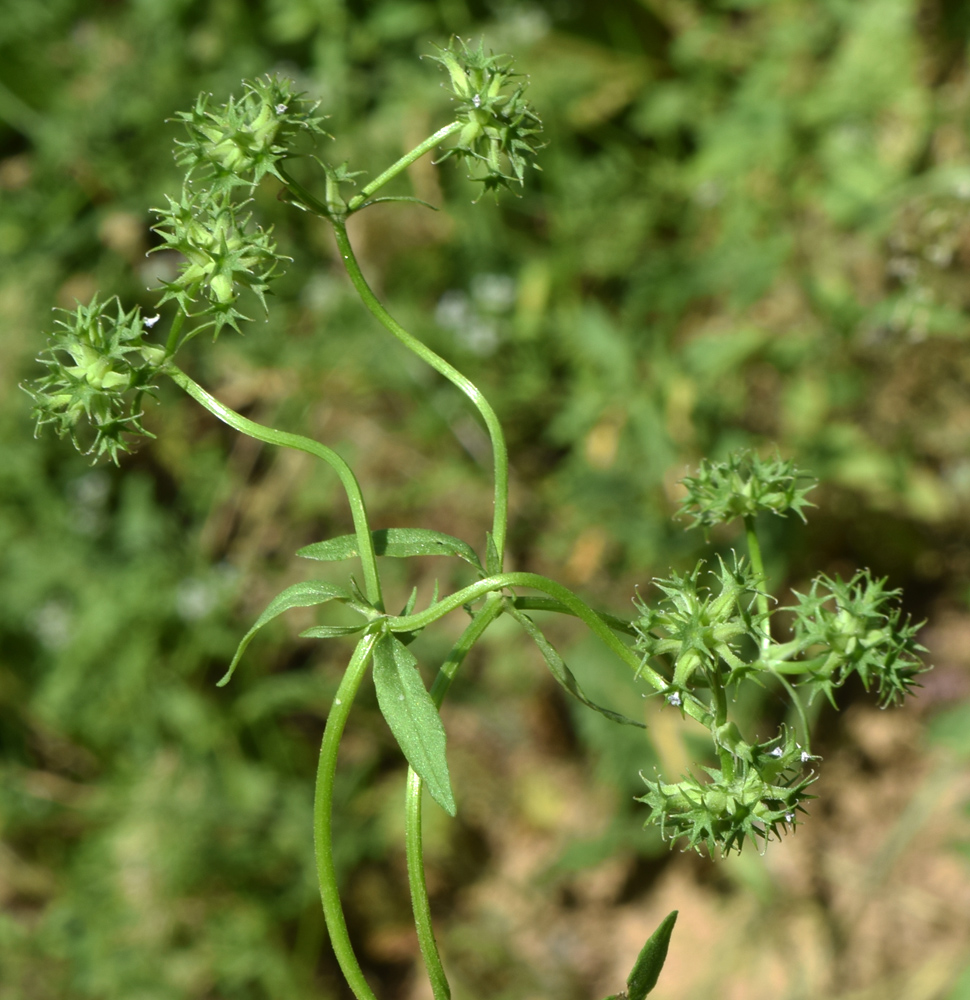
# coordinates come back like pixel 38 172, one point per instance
pixel 742 486
pixel 99 369
pixel 856 627
pixel 232 145
pixel 223 253
pixel 700 629
pixel 240 142
pixel 709 637
pixel 500 128
pixel 762 797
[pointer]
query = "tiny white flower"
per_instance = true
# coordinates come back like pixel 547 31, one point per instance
pixel 673 699
pixel 477 101
pixel 789 817
pixel 280 108
pixel 777 752
pixel 806 756
pixel 150 321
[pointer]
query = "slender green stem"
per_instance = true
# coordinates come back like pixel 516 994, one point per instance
pixel 720 719
pixel 500 453
pixel 420 903
pixel 548 604
pixel 307 198
pixel 402 164
pixel 484 617
pixel 370 300
pixel 799 708
pixel 365 543
pixel 323 818
pixel 172 343
pixel 797 667
pixel 757 564
pixel 415 853
pixel 596 625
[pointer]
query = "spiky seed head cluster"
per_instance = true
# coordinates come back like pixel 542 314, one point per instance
pixel 757 802
pixel 743 486
pixel 500 129
pixel 98 370
pixel 699 627
pixel 223 253
pixel 238 143
pixel 856 626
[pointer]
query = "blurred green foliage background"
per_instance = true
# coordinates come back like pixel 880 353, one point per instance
pixel 752 226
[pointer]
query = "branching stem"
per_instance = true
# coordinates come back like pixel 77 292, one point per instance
pixel 757 564
pixel 402 164
pixel 409 623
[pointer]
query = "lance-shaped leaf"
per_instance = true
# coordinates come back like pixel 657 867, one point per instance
pixel 412 716
pixel 331 631
pixel 563 674
pixel 398 543
pixel 646 969
pixel 493 558
pixel 300 595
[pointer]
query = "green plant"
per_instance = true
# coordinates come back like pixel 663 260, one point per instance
pixel 708 633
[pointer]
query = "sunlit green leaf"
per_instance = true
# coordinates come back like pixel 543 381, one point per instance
pixel 563 674
pixel 398 543
pixel 300 595
pixel 412 717
pixel 646 969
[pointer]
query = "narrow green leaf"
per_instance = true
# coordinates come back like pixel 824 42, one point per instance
pixel 409 606
pixel 300 595
pixel 646 969
pixel 493 560
pixel 412 716
pixel 331 631
pixel 417 201
pixel 563 674
pixel 332 550
pixel 398 543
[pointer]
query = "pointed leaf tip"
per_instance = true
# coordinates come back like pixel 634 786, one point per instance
pixel 646 969
pixel 412 717
pixel 300 595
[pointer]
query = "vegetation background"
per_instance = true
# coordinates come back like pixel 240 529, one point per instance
pixel 752 226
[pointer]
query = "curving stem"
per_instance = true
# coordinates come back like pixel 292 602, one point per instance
pixel 499 450
pixel 570 602
pixel 323 818
pixel 365 542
